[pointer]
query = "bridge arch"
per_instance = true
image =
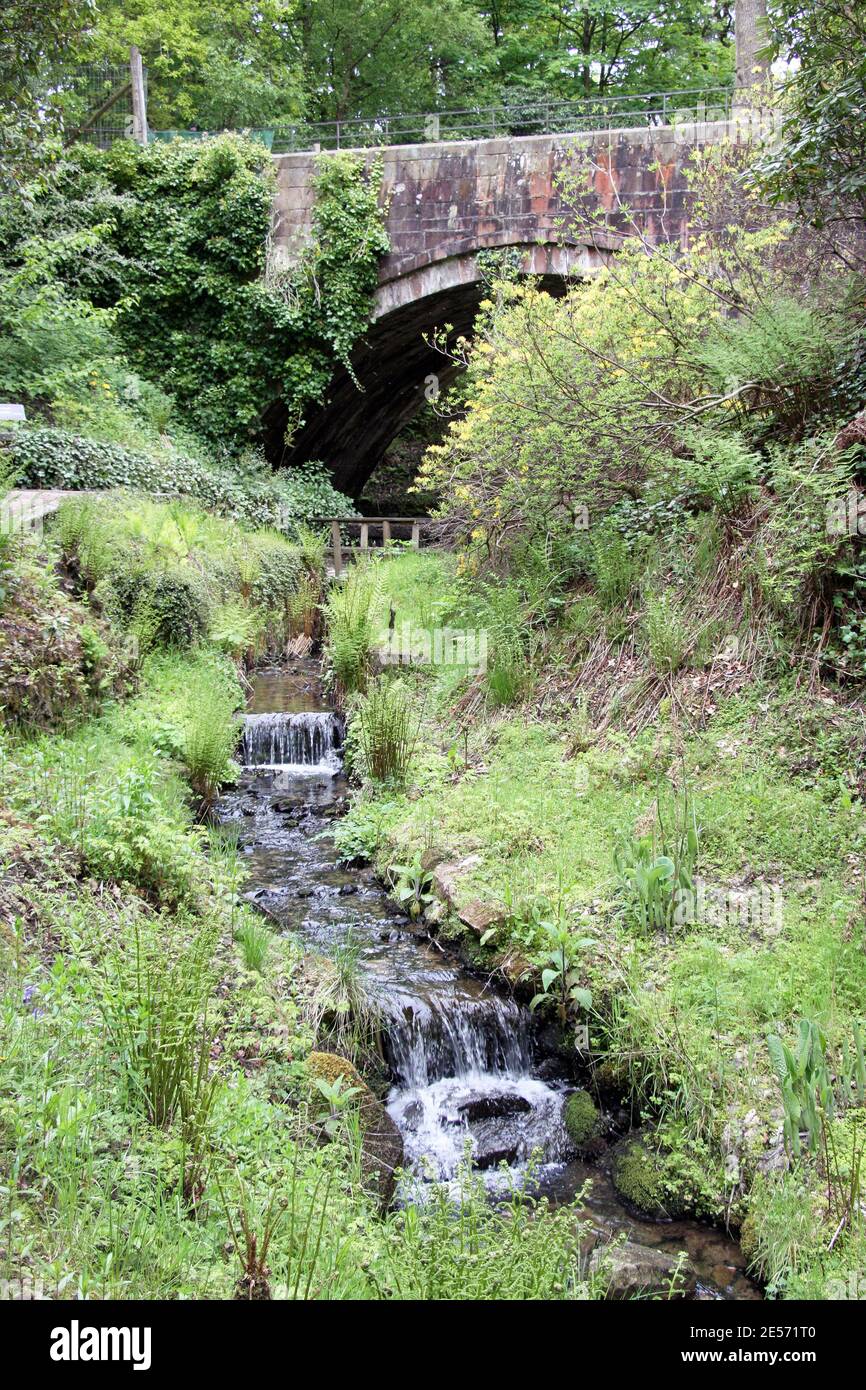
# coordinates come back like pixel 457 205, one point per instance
pixel 446 202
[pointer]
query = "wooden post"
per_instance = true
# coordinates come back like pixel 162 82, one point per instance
pixel 338 549
pixel 416 535
pixel 139 103
pixel 386 534
pixel 365 535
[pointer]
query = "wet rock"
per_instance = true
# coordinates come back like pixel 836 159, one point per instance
pixel 381 1140
pixel 516 968
pixel 632 1270
pixel 347 889
pixel 432 858
pixel 549 1069
pixel 480 917
pixel 493 1107
pixel 303 893
pixel 490 1152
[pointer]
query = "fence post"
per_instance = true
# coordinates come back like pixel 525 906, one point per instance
pixel 337 548
pixel 139 101
pixel 386 534
pixel 416 535
pixel 365 535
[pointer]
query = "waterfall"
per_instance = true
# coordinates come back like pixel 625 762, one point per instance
pixel 462 1067
pixel 431 1037
pixel 308 741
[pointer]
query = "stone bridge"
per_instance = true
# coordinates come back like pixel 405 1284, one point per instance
pixel 446 203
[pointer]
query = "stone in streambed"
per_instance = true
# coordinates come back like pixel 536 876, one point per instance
pixel 583 1123
pixel 633 1270
pixel 447 876
pixel 492 1107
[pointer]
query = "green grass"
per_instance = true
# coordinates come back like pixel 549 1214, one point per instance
pixel 680 1018
pixel 153 1094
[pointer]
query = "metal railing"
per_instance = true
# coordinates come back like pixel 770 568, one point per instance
pixel 514 118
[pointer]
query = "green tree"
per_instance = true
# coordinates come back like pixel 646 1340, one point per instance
pixel 365 57
pixel 33 34
pixel 209 66
pixel 598 47
pixel 819 159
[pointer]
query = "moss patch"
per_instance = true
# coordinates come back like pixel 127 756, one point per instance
pixel 582 1120
pixel 642 1179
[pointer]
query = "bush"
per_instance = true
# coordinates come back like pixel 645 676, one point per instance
pixel 210 736
pixel 247 491
pixel 351 629
pixel 384 726
pixel 614 566
pixel 168 608
pixel 666 631
pixel 720 470
pixel 56 660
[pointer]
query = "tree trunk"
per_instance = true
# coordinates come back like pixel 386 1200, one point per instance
pixel 750 32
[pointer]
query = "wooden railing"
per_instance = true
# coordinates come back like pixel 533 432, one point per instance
pixel 368 527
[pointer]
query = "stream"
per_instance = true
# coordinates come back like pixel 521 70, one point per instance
pixel 463 1060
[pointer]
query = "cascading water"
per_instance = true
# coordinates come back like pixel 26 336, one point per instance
pixel 461 1057
pixel 308 741
pixel 462 1064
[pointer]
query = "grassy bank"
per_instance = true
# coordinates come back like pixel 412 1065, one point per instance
pixel 541 818
pixel 162 1134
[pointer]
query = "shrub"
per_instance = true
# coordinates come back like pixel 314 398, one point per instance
pixel 236 629
pixel 157 1009
pixel 666 631
pixel 56 659
pixel 210 736
pixel 719 470
pixel 614 566
pixel 385 728
pixel 457 1244
pixel 168 608
pixel 656 871
pixel 254 940
pixel 351 631
pixel 251 492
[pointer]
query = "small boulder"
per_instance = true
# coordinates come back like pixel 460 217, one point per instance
pixel 480 917
pixel 583 1123
pixel 493 1107
pixel 447 876
pixel 641 1176
pixel 381 1140
pixel 632 1271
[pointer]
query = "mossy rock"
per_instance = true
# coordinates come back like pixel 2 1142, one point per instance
pixel 643 1179
pixel 582 1120
pixel 381 1141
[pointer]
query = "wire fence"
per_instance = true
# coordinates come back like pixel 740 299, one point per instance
pixel 98 105
pixel 515 118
